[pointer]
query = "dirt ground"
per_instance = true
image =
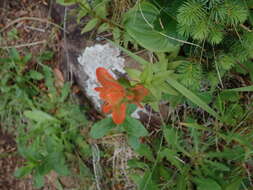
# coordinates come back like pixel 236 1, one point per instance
pixel 9 162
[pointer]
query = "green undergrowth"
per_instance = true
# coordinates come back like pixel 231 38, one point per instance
pixel 200 69
pixel 45 119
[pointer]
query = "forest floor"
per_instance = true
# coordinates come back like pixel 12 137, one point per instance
pixel 25 25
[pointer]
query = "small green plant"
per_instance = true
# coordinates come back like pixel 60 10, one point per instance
pixel 47 121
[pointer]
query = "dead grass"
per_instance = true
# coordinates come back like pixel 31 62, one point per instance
pixel 119 7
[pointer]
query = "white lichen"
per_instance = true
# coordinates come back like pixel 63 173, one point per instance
pixel 106 56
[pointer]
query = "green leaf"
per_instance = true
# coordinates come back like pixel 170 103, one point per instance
pixel 38 179
pixel 147 182
pixel 217 166
pixel 140 23
pixel 90 25
pixel 147 74
pixel 101 9
pixel 145 150
pixel 39 116
pixel 134 127
pixel 36 75
pixel 235 185
pixel 57 161
pixel 134 142
pixel 131 108
pixel 182 183
pixel 172 157
pixel 191 96
pixel 66 2
pixel 81 13
pixel 27 57
pixel 65 92
pixel 101 128
pixel 14 54
pixel 23 171
pixel 242 89
pixel 207 184
pixel 45 56
pixel 116 32
pixel 103 27
pixel 134 163
pixel 171 136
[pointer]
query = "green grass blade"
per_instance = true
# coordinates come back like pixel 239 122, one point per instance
pixel 242 89
pixel 191 96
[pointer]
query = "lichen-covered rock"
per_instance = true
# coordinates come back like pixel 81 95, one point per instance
pixel 106 56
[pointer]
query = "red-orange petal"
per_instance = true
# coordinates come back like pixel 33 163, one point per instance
pixel 119 113
pixel 139 93
pixel 106 108
pixel 105 78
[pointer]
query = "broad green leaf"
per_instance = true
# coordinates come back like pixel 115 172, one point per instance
pixel 39 116
pixel 101 128
pixel 57 161
pixel 134 74
pixel 14 54
pixel 101 9
pixel 156 92
pixel 38 179
pixel 207 184
pixel 36 75
pixel 131 108
pixel 133 142
pixel 103 27
pixel 147 75
pixel 143 23
pixel 145 150
pixel 82 13
pixel 116 32
pixel 165 172
pixel 235 185
pixel 90 25
pixel 134 127
pixel 23 171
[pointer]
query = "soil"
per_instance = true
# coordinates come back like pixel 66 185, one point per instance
pixel 9 162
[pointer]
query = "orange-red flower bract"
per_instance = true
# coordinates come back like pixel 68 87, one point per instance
pixel 115 95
